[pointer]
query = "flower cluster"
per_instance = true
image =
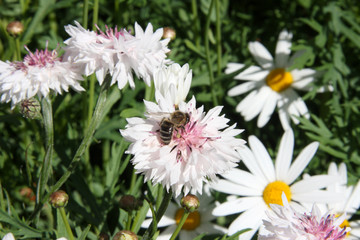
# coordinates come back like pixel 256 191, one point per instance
pixel 253 192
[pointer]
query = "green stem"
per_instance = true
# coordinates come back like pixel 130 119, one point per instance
pixel 149 233
pixel 132 182
pixel 208 60
pixel 179 226
pixel 49 135
pixel 95 121
pixel 95 13
pixel 85 13
pixel 128 223
pixel 218 37
pixel 17 49
pixel 66 223
pixel 195 23
pixel 149 92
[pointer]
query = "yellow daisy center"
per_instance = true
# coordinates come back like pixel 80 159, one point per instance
pixel 272 193
pixel 279 80
pixel 191 223
pixel 345 223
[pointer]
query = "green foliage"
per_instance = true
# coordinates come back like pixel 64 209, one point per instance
pixel 326 37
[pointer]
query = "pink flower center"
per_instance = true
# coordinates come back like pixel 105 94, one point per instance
pixel 40 58
pixel 323 229
pixel 111 33
pixel 189 138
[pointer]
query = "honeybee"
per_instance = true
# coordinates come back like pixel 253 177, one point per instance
pixel 176 120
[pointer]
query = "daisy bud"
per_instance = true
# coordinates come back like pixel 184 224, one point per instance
pixel 31 108
pixel 59 199
pixel 15 28
pixel 190 203
pixel 104 236
pixel 125 235
pixel 129 203
pixel 169 33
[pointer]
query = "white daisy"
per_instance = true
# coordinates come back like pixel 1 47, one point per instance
pixel 201 147
pixel 117 52
pixel 272 84
pixel 252 192
pixel 173 82
pixel 37 74
pixel 287 224
pixel 198 222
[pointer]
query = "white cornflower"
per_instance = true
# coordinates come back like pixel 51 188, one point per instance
pixel 117 52
pixel 272 84
pixel 173 82
pixel 287 224
pixel 37 74
pixel 202 146
pixel 350 202
pixel 198 222
pixel 253 191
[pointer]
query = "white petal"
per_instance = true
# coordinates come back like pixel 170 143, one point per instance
pixel 8 236
pixel 236 206
pixel 251 218
pixel 313 183
pixel 284 155
pixel 301 162
pixel 283 50
pixel 233 67
pixel 253 109
pixel 261 55
pixel 262 158
pixel 267 110
pixel 233 188
pixel 252 73
pixel 242 88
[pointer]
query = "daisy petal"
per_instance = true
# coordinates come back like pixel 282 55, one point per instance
pixel 267 110
pixel 283 50
pixel 262 158
pixel 261 55
pixel 284 155
pixel 301 162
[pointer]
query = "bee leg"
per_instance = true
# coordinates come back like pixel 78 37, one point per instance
pixel 173 148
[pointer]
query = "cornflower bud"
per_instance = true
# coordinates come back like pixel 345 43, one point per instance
pixel 31 108
pixel 169 33
pixel 129 203
pixel 125 235
pixel 59 199
pixel 104 236
pixel 190 203
pixel 15 28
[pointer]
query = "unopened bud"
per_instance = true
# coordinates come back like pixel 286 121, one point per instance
pixel 129 203
pixel 125 235
pixel 169 33
pixel 15 28
pixel 30 108
pixel 28 193
pixel 190 203
pixel 59 199
pixel 104 236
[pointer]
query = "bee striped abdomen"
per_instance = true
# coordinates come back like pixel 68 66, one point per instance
pixel 166 131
